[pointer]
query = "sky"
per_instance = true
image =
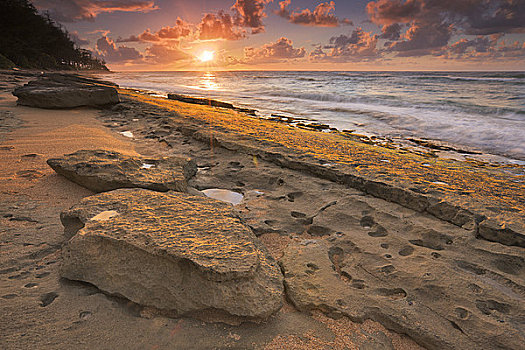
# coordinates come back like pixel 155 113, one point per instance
pixel 161 35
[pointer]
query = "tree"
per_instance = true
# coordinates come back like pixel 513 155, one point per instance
pixel 33 40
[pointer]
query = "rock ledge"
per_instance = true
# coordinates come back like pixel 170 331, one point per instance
pixel 171 251
pixel 100 171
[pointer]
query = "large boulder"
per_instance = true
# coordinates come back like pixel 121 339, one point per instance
pixel 101 170
pixel 66 96
pixel 171 251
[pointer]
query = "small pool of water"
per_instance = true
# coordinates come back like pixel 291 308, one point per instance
pixel 224 195
pixel 127 134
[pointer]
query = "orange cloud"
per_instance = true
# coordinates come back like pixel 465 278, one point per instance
pixel 219 26
pixel 180 30
pixel 165 54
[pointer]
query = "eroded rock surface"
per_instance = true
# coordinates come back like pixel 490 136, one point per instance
pixel 56 91
pixel 101 170
pixel 432 287
pixel 172 251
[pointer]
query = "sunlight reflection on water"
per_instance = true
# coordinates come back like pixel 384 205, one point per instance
pixel 209 82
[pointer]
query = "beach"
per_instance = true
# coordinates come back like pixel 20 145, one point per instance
pixel 379 246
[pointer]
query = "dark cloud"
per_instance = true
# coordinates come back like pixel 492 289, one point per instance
pixel 78 10
pixel 280 50
pixel 423 39
pixel 491 17
pixel 107 50
pixel 479 44
pixel 74 36
pixel 249 14
pixel 391 32
pixel 484 48
pixel 386 12
pixel 321 16
pixel 357 46
pixel 130 39
pixel 473 16
pixel 433 22
pixel 219 26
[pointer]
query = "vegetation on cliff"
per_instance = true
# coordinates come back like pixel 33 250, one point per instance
pixel 33 40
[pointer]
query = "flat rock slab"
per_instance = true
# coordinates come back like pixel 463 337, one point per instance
pixel 101 170
pixel 172 251
pixel 209 102
pixel 58 97
pixel 440 304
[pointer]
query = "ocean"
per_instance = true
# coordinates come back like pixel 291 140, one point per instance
pixel 484 111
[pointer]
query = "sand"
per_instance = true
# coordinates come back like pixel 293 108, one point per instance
pixel 39 309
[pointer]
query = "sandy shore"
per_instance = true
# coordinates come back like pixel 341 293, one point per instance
pixel 298 171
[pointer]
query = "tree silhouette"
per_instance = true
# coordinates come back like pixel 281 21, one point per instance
pixel 32 40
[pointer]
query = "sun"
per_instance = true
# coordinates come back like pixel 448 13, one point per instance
pixel 206 56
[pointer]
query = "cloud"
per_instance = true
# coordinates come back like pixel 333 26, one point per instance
pixel 357 46
pixel 79 10
pixel 321 16
pixel 282 49
pixel 130 39
pixel 387 12
pixel 473 16
pixel 423 39
pixel 219 26
pixel 165 54
pixel 249 14
pixel 484 48
pixel 491 17
pixel 107 50
pixel 391 32
pixel 74 36
pixel 147 35
pixel 181 29
pixel 432 23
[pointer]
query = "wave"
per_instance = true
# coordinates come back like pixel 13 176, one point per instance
pixel 450 106
pixel 454 107
pixel 513 79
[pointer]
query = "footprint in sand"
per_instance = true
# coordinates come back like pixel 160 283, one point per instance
pixel 30 174
pixel 48 298
pixel 380 231
pixel 393 293
pixel 367 222
pixel 406 251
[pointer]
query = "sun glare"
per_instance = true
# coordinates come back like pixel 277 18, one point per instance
pixel 206 56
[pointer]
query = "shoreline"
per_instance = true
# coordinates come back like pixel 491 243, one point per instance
pixel 313 111
pixel 313 198
pixel 417 145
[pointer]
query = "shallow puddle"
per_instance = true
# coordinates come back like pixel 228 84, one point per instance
pixel 127 134
pixel 224 195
